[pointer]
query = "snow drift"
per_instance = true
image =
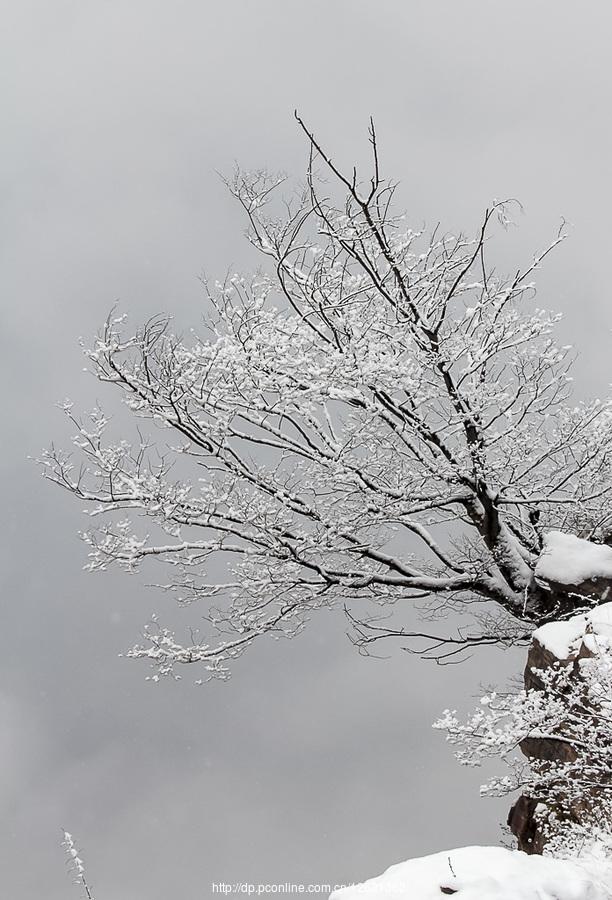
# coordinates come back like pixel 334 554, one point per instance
pixel 486 873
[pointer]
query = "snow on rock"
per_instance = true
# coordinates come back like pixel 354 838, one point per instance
pixel 567 559
pixel 564 639
pixel 486 873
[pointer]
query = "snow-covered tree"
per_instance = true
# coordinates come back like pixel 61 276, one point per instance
pixel 376 418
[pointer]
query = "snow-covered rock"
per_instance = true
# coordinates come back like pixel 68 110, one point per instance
pixel 591 631
pixel 570 572
pixel 567 642
pixel 568 559
pixel 486 873
pixel 569 569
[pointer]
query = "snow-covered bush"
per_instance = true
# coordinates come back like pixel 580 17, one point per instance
pixel 564 730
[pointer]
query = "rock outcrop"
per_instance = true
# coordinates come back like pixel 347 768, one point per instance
pixel 571 573
pixel 564 642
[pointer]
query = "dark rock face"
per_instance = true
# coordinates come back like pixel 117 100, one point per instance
pixel 524 825
pixel 548 749
pixel 557 600
pixel 541 658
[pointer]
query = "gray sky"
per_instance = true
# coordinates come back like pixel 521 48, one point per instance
pixel 312 764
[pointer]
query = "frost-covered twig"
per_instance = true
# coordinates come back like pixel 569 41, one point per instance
pixel 76 864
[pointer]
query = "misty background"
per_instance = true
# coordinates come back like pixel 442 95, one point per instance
pixel 312 764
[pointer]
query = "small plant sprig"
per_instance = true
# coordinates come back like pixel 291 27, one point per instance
pixel 76 865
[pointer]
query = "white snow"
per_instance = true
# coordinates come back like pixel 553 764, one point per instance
pixel 568 559
pixel 486 873
pixel 563 639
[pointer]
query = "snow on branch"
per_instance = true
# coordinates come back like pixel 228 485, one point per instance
pixel 76 866
pixel 375 416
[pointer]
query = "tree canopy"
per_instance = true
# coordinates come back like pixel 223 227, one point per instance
pixel 375 418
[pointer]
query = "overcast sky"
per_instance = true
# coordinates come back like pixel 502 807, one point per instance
pixel 312 764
